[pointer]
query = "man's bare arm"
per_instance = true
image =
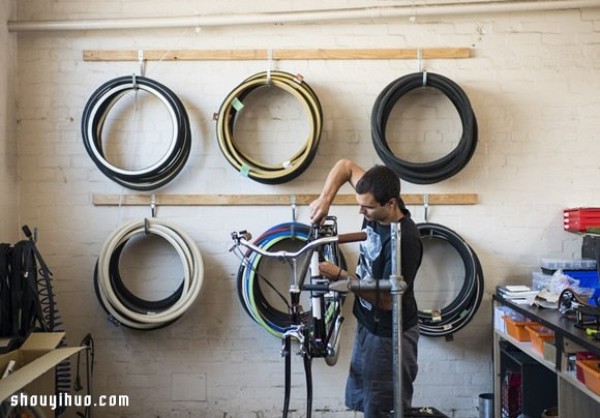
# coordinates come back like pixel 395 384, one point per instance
pixel 342 172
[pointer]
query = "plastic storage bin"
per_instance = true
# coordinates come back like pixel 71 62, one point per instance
pixel 549 351
pixel 538 334
pixel 540 281
pixel 591 374
pixel 568 263
pixel 580 219
pixel 517 329
pixel 586 278
pixel 583 355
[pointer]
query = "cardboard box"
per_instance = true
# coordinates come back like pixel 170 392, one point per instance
pixel 35 360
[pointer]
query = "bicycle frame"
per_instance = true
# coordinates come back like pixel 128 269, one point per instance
pixel 319 337
pixel 326 305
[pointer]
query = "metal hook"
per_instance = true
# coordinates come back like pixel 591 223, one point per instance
pixel 142 69
pixel 421 66
pixel 269 64
pixel 293 199
pixel 293 205
pixel 425 205
pixel 141 62
pixel 153 205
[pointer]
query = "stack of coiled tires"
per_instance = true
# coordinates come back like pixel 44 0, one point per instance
pixel 95 115
pixel 461 310
pixel 433 171
pixel 130 310
pixel 233 105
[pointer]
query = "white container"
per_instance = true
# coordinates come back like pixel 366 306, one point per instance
pixel 540 281
pixel 568 264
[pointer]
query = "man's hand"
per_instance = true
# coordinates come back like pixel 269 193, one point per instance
pixel 331 271
pixel 319 209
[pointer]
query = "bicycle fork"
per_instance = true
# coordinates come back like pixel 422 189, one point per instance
pixel 299 333
pixel 314 341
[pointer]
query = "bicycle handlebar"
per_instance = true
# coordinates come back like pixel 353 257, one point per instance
pixel 352 237
pixel 349 285
pixel 244 237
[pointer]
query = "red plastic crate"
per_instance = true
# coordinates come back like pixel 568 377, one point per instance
pixel 580 219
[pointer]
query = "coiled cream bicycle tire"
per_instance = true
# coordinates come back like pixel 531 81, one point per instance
pixel 251 167
pixel 189 255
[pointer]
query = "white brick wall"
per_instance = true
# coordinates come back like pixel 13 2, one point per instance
pixel 533 83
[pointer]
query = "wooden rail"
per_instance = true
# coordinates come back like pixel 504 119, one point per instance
pixel 275 54
pixel 265 199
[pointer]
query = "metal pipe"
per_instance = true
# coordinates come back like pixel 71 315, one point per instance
pixel 398 289
pixel 373 13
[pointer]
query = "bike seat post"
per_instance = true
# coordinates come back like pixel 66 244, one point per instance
pixel 317 297
pixel 295 292
pixel 294 287
pixel 317 303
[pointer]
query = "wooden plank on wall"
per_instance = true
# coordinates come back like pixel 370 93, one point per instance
pixel 265 199
pixel 276 54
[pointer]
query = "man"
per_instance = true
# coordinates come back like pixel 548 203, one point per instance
pixel 370 384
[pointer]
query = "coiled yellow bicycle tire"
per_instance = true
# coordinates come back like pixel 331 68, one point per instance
pixel 251 167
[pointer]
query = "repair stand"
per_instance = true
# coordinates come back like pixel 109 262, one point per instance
pixel 397 291
pixel 398 287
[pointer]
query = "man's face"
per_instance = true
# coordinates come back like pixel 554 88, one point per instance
pixel 372 210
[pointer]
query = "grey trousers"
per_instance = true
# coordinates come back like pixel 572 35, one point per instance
pixel 370 384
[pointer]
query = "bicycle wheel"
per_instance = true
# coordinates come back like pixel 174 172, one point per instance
pixel 262 301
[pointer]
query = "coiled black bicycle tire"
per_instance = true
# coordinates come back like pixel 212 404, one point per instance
pixel 94 116
pixel 461 310
pixel 134 312
pixel 432 171
pixel 128 298
pixel 252 168
pixel 131 304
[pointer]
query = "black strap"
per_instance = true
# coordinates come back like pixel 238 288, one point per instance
pixel 27 312
pixel 47 317
pixel 36 312
pixel 16 288
pixel 5 300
